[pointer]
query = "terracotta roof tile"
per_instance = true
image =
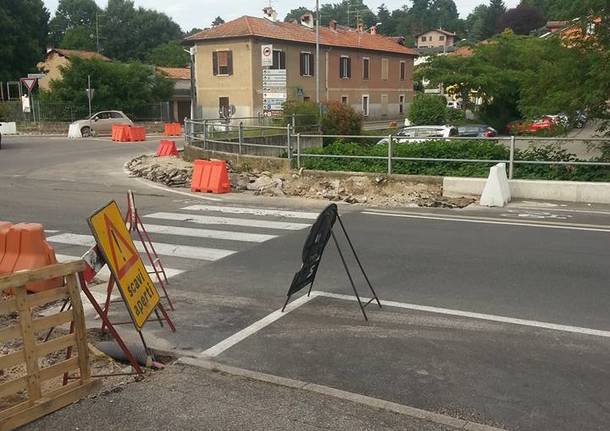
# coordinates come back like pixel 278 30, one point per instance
pixel 86 55
pixel 438 30
pixel 175 72
pixel 341 37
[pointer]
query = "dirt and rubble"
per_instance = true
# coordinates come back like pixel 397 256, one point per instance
pixel 374 190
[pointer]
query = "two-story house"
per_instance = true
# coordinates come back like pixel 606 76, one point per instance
pixel 435 39
pixel 367 71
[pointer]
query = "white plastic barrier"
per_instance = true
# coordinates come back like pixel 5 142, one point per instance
pixel 8 128
pixel 496 192
pixel 74 131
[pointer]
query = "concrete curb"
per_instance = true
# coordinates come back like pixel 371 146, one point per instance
pixel 377 403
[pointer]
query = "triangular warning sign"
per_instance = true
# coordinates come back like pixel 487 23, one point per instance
pixel 29 83
pixel 121 249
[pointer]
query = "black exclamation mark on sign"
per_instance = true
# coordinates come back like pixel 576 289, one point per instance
pixel 118 246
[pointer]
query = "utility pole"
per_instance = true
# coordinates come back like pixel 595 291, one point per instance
pixel 89 95
pixel 97 33
pixel 318 55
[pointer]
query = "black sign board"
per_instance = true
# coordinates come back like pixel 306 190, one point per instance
pixel 320 233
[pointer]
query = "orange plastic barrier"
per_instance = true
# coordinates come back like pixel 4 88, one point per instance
pixel 210 176
pixel 167 148
pixel 172 129
pixel 137 134
pixel 25 247
pixel 4 228
pixel 120 132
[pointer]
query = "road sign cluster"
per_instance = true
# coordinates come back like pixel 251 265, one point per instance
pixel 274 89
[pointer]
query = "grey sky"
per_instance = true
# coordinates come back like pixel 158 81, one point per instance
pixel 201 13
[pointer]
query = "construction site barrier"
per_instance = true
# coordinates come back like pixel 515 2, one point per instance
pixel 35 388
pixel 119 131
pixel 172 129
pixel 167 148
pixel 24 246
pixel 137 134
pixel 210 176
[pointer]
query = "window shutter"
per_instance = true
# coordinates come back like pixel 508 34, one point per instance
pixel 349 67
pixel 311 65
pixel 302 64
pixel 230 62
pixel 340 67
pixel 215 63
pixel 282 60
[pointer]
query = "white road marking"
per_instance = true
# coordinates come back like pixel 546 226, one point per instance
pixel 50 231
pixel 255 327
pixel 228 221
pixel 253 211
pixel 547 225
pixel 185 251
pixel 480 316
pixel 208 233
pixel 104 273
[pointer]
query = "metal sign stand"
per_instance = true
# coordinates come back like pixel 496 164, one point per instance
pixel 134 224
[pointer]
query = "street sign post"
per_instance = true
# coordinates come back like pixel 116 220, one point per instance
pixel 114 241
pixel 266 55
pixel 29 83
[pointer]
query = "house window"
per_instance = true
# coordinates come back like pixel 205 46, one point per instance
pixel 279 59
pixel 223 107
pixel 365 106
pixel 441 38
pixel 306 64
pixel 365 68
pixel 401 104
pixel 423 38
pixel 403 70
pixel 384 68
pixel 306 99
pixel 222 62
pixel 345 67
pixel 344 100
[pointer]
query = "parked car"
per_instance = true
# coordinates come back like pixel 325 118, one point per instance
pixel 455 104
pixel 101 123
pixel 523 127
pixel 477 131
pixel 414 134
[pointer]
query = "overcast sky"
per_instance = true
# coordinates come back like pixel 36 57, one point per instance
pixel 201 13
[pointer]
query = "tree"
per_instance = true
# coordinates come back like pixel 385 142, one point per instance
pixel 384 16
pixel 348 12
pixel 127 87
pixel 127 33
pixel 217 21
pixel 79 38
pixel 476 23
pixel 70 15
pixel 521 20
pixel 340 119
pixel 24 26
pixel 494 13
pixel 428 109
pixel 296 13
pixel 170 54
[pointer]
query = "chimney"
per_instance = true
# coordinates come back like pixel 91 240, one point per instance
pixel 374 29
pixel 360 27
pixel 269 13
pixel 332 24
pixel 307 20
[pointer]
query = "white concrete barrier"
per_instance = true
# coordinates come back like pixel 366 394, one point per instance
pixel 74 131
pixel 8 128
pixel 496 192
pixel 566 191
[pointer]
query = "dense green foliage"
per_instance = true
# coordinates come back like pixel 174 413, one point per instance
pixel 123 86
pixel 478 150
pixel 23 24
pixel 339 119
pixel 428 110
pixel 306 114
pixel 521 20
pixel 170 54
pixel 76 18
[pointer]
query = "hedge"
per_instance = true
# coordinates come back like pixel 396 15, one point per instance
pixel 475 149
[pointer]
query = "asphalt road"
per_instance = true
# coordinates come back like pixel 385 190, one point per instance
pixel 498 316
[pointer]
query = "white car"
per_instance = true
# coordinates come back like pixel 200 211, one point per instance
pixel 455 104
pixel 100 123
pixel 414 134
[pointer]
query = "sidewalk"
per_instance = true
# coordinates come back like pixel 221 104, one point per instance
pixel 184 397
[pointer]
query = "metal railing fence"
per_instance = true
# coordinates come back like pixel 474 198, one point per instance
pixel 199 131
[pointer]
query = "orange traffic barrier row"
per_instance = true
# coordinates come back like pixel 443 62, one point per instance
pixel 210 176
pixel 24 246
pixel 172 129
pixel 167 148
pixel 127 133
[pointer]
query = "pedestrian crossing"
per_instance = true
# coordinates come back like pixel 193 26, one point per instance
pixel 195 235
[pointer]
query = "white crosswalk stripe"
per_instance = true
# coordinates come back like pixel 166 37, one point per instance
pixel 163 249
pixel 213 220
pixel 104 273
pixel 253 211
pixel 208 233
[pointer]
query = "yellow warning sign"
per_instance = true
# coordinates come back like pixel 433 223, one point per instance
pixel 115 243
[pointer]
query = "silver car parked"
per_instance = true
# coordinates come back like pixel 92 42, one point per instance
pixel 101 123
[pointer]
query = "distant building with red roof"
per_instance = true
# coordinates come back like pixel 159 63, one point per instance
pixel 370 72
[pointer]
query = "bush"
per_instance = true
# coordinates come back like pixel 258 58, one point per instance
pixel 307 114
pixel 341 119
pixel 5 111
pixel 455 117
pixel 428 110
